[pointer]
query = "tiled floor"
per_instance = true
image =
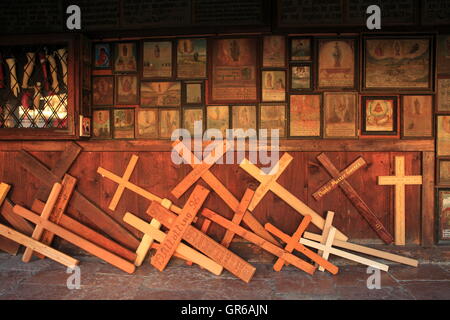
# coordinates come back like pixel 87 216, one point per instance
pixel 45 279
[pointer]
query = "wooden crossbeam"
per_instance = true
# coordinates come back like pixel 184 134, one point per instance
pixel 359 204
pixel 325 232
pixel 262 243
pixel 298 205
pixel 84 206
pixel 76 240
pixel 205 226
pixel 6 244
pixel 219 189
pixel 230 261
pixel 400 181
pixel 121 187
pixel 182 250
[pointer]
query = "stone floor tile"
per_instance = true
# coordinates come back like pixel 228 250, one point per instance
pixel 424 272
pixel 428 290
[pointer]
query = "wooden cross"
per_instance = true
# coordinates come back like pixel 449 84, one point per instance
pixel 293 243
pixel 325 235
pixel 125 179
pixel 400 181
pixel 262 243
pixel 205 226
pixel 230 261
pixel 268 182
pixel 201 170
pixel 355 199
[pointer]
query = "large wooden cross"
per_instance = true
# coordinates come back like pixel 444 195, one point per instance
pixel 400 181
pixel 201 170
pixel 268 182
pixel 340 179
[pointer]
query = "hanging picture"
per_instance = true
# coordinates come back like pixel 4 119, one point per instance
pixel 444 215
pixel 126 90
pixel 102 56
pixel 193 93
pixel 169 121
pixel 233 71
pixel 305 115
pixel 147 123
pixel 190 117
pixel 336 63
pixel 417 116
pixel 273 117
pixel 397 64
pixel 160 94
pixel 125 57
pixel 443 104
pixel 274 52
pixel 444 173
pixel 157 59
pixel 123 123
pixel 218 117
pixel 102 124
pixel 301 77
pixel 102 91
pixel 191 58
pixel 340 115
pixel 379 116
pixel 443 136
pixel 85 126
pixel 274 86
pixel 443 54
pixel 301 49
pixel 244 117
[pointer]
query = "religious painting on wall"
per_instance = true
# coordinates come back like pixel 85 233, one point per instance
pixel 443 89
pixel 191 58
pixel 301 49
pixel 273 117
pixel 102 56
pixel 169 121
pixel 301 77
pixel 123 123
pixel 102 91
pixel 443 136
pixel 397 64
pixel 157 59
pixel 444 215
pixel 340 115
pixel 444 173
pixel 244 117
pixel 193 93
pixel 126 90
pixel 125 57
pixel 443 54
pixel 160 94
pixel 218 117
pixel 273 86
pixel 233 71
pixel 147 123
pixel 190 117
pixel 417 116
pixel 379 116
pixel 274 52
pixel 101 124
pixel 305 115
pixel 336 63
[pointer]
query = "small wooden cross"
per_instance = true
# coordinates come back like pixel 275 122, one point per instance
pixel 400 181
pixel 268 182
pixel 123 181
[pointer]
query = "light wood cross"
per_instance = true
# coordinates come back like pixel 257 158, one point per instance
pixel 201 170
pixel 268 182
pixel 399 181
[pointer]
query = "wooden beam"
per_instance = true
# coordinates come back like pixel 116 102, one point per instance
pixel 205 226
pixel 6 244
pixel 16 221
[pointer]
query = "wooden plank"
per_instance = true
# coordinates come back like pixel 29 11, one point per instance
pixel 38 230
pixel 4 189
pixel 205 226
pixel 230 261
pixel 121 187
pixel 38 246
pixel 179 227
pixel 76 227
pixel 6 244
pixel 268 246
pixel 357 201
pixel 428 204
pixel 326 230
pixel 182 249
pixel 145 245
pixel 16 221
pixel 76 240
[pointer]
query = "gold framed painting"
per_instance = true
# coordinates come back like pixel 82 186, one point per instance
pixel 244 117
pixel 274 51
pixel 301 49
pixel 340 115
pixel 125 57
pixel 443 54
pixel 160 94
pixel 169 121
pixel 126 90
pixel 123 123
pixel 273 86
pixel 443 88
pixel 305 115
pixel 379 116
pixel 337 63
pixel 273 117
pixel 417 116
pixel 444 216
pixel 147 123
pixel 157 59
pixel 102 91
pixel 397 63
pixel 443 136
pixel 102 56
pixel 193 93
pixel 190 117
pixel 101 124
pixel 191 58
pixel 301 78
pixel 218 117
pixel 444 172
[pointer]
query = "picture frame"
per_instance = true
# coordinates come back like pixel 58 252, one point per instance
pixel 125 57
pixel 218 117
pixel 193 93
pixel 443 219
pixel 274 51
pixel 301 49
pixel 192 59
pixel 160 93
pixel 102 91
pixel 443 172
pixel 337 63
pixel 85 126
pixel 123 123
pixel 147 121
pixel 169 120
pixel 102 56
pixel 412 70
pixel 244 117
pixel 157 59
pixel 443 95
pixel 273 85
pixel 379 116
pixel 443 54
pixel 127 90
pixel 340 115
pixel 305 115
pixel 417 116
pixel 273 116
pixel 443 135
pixel 301 77
pixel 190 116
pixel 101 119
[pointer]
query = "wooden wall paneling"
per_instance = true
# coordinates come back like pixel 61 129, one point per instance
pixel 428 204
